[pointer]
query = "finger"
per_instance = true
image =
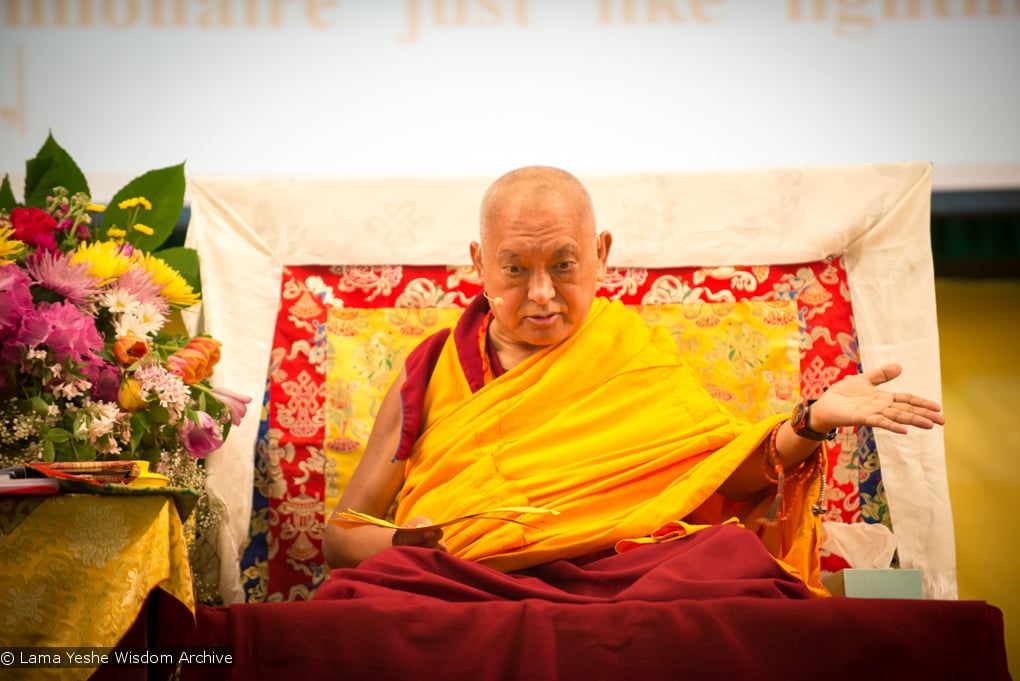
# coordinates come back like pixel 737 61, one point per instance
pixel 916 401
pixel 883 374
pixel 896 418
pixel 885 423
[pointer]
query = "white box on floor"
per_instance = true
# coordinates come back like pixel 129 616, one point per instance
pixel 875 583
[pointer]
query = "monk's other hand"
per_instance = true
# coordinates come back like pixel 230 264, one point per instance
pixel 417 532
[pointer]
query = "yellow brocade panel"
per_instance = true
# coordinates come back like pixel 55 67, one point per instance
pixel 745 353
pixel 77 569
pixel 366 351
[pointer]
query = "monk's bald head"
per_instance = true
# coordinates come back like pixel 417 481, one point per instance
pixel 539 259
pixel 534 185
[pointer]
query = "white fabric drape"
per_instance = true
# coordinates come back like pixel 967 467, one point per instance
pixel 247 229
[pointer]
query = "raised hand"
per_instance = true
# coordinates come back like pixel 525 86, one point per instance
pixel 857 401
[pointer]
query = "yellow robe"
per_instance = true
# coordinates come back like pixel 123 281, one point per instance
pixel 610 429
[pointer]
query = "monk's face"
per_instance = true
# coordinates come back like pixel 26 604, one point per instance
pixel 539 254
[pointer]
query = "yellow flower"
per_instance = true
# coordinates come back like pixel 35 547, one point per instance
pixel 95 208
pixel 105 259
pixel 137 201
pixel 129 396
pixel 174 288
pixel 116 233
pixel 144 229
pixel 10 248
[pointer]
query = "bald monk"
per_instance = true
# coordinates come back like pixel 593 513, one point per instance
pixel 545 395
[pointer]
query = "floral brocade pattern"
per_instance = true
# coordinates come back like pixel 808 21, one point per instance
pixel 76 569
pixel 759 337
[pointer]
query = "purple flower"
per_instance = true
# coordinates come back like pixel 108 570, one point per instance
pixel 235 402
pixel 201 439
pixel 64 329
pixel 105 379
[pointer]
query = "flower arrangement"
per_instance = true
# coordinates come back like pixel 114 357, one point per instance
pixel 96 364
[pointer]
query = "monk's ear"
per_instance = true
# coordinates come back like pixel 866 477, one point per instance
pixel 605 242
pixel 476 257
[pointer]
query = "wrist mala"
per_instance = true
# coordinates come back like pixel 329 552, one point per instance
pixel 775 473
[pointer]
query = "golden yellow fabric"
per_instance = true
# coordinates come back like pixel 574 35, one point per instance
pixel 557 431
pixel 744 353
pixel 76 569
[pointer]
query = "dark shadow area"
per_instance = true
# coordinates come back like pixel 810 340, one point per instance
pixel 976 235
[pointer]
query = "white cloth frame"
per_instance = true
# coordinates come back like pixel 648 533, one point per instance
pixel 877 216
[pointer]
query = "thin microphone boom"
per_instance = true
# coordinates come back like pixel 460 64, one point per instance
pixel 496 302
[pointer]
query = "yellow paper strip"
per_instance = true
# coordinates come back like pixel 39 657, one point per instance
pixel 351 518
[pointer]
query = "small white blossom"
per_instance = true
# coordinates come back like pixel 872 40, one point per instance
pixel 118 301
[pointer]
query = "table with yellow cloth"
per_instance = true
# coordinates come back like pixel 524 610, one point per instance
pixel 76 570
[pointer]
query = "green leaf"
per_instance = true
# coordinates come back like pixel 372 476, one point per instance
pixel 57 435
pixel 7 200
pixel 52 167
pixel 79 422
pixel 158 414
pixel 48 452
pixel 139 424
pixel 39 406
pixel 83 451
pixel 164 189
pixel 185 261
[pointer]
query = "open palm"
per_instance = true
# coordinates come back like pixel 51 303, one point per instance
pixel 857 401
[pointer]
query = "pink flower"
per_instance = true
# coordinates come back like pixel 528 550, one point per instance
pixel 15 298
pixel 56 272
pixel 237 403
pixel 34 227
pixel 139 283
pixel 203 438
pixel 64 329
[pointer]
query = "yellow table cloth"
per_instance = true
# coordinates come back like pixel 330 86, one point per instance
pixel 76 570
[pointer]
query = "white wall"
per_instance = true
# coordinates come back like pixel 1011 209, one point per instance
pixel 467 87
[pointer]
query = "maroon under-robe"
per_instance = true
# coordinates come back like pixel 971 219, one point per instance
pixel 714 605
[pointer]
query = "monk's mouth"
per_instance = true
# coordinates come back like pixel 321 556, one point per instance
pixel 542 320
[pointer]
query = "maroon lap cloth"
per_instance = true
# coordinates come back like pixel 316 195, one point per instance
pixel 711 606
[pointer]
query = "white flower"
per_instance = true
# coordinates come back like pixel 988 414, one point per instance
pixel 101 419
pixel 150 319
pixel 118 300
pixel 129 325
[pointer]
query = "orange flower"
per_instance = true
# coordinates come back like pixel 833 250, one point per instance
pixel 129 397
pixel 129 349
pixel 210 346
pixel 195 361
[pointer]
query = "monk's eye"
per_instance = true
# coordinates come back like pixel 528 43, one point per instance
pixel 512 270
pixel 566 266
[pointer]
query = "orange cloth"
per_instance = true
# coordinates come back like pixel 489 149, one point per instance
pixel 610 429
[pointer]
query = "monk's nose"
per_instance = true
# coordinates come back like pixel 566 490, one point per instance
pixel 540 288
